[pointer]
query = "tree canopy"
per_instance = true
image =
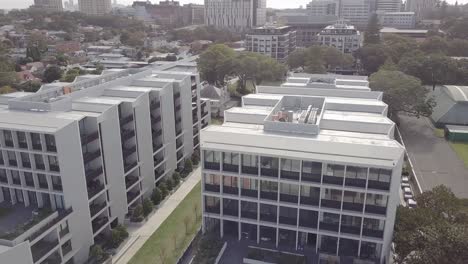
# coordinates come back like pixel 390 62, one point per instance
pixel 52 73
pixel 372 33
pixel 402 93
pixel 434 232
pixel 319 59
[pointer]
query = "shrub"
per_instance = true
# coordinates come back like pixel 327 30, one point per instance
pixel 156 196
pixel 164 189
pixel 147 207
pixel 176 178
pixel 97 253
pixel 138 213
pixel 188 166
pixel 195 158
pixel 116 238
pixel 169 184
pixel 122 230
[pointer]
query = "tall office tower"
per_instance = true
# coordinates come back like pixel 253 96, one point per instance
pixel 357 12
pixel 95 7
pixel 49 5
pixel 77 158
pixel 420 7
pixel 238 15
pixel 276 42
pixel 310 167
pixel 323 7
pixel 389 5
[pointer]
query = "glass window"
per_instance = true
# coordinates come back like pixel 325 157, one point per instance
pixel 288 215
pixel 212 204
pixel 249 210
pixel 356 172
pixel 8 138
pixel 269 190
pixel 230 207
pixel 289 192
pixel 269 166
pixel 230 158
pixel 15 177
pixel 12 158
pixel 335 170
pixel 351 224
pixel 370 250
pixel 290 169
pixel 328 244
pixel 381 175
pixel 249 164
pixel 50 143
pixel 53 163
pixel 311 171
pixel 376 199
pixel 36 141
pixel 249 187
pixel 22 139
pixel 268 212
pixel 211 156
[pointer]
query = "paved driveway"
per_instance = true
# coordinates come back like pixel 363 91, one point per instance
pixel 434 160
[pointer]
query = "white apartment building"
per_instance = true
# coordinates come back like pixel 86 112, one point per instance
pixel 77 158
pixel 389 5
pixel 95 7
pixel 420 7
pixel 309 167
pixel 399 20
pixel 344 37
pixel 273 41
pixel 237 15
pixel 324 7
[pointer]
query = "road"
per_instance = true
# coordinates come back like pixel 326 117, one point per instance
pixel 434 160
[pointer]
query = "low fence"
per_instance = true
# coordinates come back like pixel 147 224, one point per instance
pixel 190 247
pixel 221 252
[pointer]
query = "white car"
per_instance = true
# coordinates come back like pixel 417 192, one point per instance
pixel 405 179
pixel 405 185
pixel 407 190
pixel 411 203
pixel 407 196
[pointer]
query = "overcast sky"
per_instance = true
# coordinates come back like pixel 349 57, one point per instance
pixel 8 4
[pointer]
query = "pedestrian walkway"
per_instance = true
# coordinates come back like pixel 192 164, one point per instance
pixel 138 236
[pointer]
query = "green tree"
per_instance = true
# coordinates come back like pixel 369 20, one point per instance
pixel 138 213
pixel 6 89
pixel 434 232
pixel 97 253
pixel 402 93
pixel 147 206
pixel 29 86
pixel 169 184
pixel 297 58
pixel 434 45
pixel 372 33
pixel 458 47
pixel 156 196
pixel 216 63
pixel 397 46
pixel 164 189
pixel 372 57
pixel 52 73
pixel 195 158
pixel 176 178
pixel 188 166
pixel 459 28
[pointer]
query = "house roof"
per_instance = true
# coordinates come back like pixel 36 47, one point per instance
pixel 210 91
pixel 457 93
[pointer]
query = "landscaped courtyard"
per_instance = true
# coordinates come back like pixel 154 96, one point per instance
pixel 170 240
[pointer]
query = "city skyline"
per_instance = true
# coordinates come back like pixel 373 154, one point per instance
pixel 11 4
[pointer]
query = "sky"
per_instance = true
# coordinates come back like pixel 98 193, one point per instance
pixel 9 4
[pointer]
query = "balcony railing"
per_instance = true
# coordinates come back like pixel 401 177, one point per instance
pixel 375 209
pixel 129 166
pixel 355 230
pixel 269 172
pixel 290 175
pixel 61 215
pixel 91 174
pixel 127 134
pixel 249 214
pixel 289 198
pixel 372 233
pixel 86 139
pixel 98 223
pixel 333 180
pixel 331 203
pixel 231 167
pixel 269 195
pixel 311 177
pixel 155 105
pixel 307 200
pixel 230 190
pixel 94 188
pixel 41 248
pixel 287 220
pixel 212 209
pixel 249 193
pixel 353 206
pixel 355 182
pixel 250 170
pixel 126 120
pixel 90 156
pixel 329 226
pixel 378 185
pixel 212 165
pixel 95 208
pixel 212 188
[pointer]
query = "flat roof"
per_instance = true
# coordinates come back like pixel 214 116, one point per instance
pixel 457 129
pixel 457 93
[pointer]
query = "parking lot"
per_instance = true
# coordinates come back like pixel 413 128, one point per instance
pixel 434 160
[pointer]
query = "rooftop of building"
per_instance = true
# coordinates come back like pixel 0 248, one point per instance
pixel 311 123
pixel 457 93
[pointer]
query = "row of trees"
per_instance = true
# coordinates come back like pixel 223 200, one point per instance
pixel 204 33
pixel 319 59
pixel 219 62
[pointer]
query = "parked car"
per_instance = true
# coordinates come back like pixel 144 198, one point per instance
pixel 405 185
pixel 405 179
pixel 412 203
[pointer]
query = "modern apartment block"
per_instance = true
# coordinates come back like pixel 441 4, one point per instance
pixel 273 41
pixel 310 167
pixel 344 37
pixel 399 20
pixel 77 158
pixel 95 7
pixel 238 15
pixel 49 5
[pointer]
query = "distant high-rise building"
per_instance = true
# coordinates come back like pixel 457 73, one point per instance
pixel 235 14
pixel 50 5
pixel 356 12
pixel 400 20
pixel 419 7
pixel 324 7
pixel 273 41
pixel 389 5
pixel 95 7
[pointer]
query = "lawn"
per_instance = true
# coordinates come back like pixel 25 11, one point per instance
pixel 462 151
pixel 162 240
pixel 439 132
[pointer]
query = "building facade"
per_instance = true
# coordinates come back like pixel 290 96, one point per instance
pixel 344 37
pixel 400 20
pixel 95 7
pixel 310 167
pixel 357 12
pixel 389 5
pixel 49 5
pixel 77 158
pixel 324 7
pixel 273 41
pixel 238 15
pixel 420 7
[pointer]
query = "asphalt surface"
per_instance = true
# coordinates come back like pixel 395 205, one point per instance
pixel 434 160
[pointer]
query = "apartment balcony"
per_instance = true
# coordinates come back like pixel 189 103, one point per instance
pixel 329 226
pixel 54 167
pixel 29 183
pixel 331 203
pixel 212 188
pixel 26 164
pixel 212 209
pixel 126 120
pixel 91 155
pixel 212 165
pixel 37 145
pixel 130 181
pixel 231 167
pixel 289 198
pixel 128 151
pixel 308 200
pixel 131 196
pixel 158 174
pixel 288 220
pixel 267 172
pixel 43 185
pixel 127 134
pixel 40 166
pixel 66 249
pixel 354 230
pixel 13 163
pixel 375 209
pixel 23 144
pixel 9 143
pixel 95 208
pixel 195 118
pixel 178 131
pixel 57 187
pixel 306 222
pixel 99 223
pixel 194 99
pixel 372 233
pixel 180 155
pixel 196 141
pixel 290 175
pixel 157 132
pixel 204 113
pixel 250 170
pixel 269 195
pixel 157 147
pixel 358 207
pixel 230 190
pixel 204 124
pixel 130 166
pixel 86 139
pixel 249 214
pixel 249 193
pixel 155 105
pixel 94 188
pixel 231 212
pixel 179 143
pixel 158 160
pixel 361 183
pixel 50 148
pixel 41 248
pixel 268 217
pixel 333 180
pixel 92 174
pixel 378 185
pixel 64 232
